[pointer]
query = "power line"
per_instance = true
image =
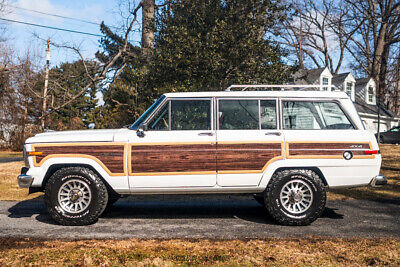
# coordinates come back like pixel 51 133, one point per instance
pixel 50 27
pixel 60 16
pixel 55 15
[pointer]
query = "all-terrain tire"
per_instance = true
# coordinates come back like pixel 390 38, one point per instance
pixel 96 206
pixel 276 207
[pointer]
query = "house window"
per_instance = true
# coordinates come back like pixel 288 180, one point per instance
pixel 325 81
pixel 370 94
pixel 349 89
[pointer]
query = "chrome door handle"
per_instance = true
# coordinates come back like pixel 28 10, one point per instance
pixel 273 133
pixel 206 134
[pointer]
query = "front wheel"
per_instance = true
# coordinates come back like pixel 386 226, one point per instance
pixel 295 197
pixel 75 196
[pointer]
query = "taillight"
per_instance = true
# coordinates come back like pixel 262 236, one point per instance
pixel 371 152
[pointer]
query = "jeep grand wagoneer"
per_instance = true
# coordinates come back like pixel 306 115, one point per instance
pixel 285 147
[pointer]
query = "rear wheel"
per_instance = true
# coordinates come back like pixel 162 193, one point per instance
pixel 295 197
pixel 75 196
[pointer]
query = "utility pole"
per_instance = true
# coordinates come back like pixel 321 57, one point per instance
pixel 46 84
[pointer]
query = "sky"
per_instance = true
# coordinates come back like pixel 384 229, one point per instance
pixel 23 37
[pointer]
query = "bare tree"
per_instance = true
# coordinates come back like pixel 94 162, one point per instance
pixel 372 44
pixel 392 95
pixel 313 30
pixel 106 72
pixel 18 108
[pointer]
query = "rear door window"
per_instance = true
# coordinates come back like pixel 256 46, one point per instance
pixel 310 115
pixel 238 114
pixel 246 114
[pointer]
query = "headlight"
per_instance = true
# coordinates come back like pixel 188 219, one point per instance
pixel 26 160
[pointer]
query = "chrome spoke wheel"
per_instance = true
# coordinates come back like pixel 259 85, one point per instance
pixel 74 196
pixel 296 196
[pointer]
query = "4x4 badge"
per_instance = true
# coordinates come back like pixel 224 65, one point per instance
pixel 347 155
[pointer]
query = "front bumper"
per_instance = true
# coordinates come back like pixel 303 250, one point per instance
pixel 24 180
pixel 378 180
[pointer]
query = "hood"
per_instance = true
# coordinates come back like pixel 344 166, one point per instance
pixel 75 136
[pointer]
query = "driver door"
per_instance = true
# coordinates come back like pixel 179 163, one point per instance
pixel 178 148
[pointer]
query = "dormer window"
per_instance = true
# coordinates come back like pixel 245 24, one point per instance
pixel 349 89
pixel 371 94
pixel 325 81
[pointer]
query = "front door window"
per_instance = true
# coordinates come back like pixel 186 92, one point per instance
pixel 160 122
pixel 190 115
pixel 179 115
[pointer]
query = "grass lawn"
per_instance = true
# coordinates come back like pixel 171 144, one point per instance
pixel 10 154
pixel 9 189
pixel 133 252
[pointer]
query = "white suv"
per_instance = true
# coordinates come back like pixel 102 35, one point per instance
pixel 285 147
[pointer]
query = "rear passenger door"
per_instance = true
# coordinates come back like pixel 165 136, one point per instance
pixel 248 139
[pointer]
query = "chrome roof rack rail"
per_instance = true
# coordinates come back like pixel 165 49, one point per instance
pixel 282 86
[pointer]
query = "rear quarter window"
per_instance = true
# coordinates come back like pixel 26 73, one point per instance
pixel 312 115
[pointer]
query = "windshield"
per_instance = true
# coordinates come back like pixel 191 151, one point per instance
pixel 146 114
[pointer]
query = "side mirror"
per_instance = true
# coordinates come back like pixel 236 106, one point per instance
pixel 140 131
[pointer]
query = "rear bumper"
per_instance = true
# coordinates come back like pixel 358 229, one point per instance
pixel 378 180
pixel 24 180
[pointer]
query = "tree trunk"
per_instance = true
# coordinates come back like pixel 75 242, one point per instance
pixel 396 96
pixel 147 27
pixel 379 53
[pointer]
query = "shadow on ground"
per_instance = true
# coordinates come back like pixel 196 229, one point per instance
pixel 170 207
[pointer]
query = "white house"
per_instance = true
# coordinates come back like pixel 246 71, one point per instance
pixel 368 109
pixel 345 82
pixel 361 91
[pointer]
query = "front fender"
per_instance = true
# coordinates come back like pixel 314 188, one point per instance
pixel 119 183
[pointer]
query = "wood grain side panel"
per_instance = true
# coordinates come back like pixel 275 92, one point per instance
pixel 319 150
pixel 253 156
pixel 111 156
pixel 173 158
pixel 344 146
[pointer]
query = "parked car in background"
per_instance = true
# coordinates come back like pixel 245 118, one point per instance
pixel 391 136
pixel 284 147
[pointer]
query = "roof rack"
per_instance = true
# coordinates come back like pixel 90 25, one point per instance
pixel 282 86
